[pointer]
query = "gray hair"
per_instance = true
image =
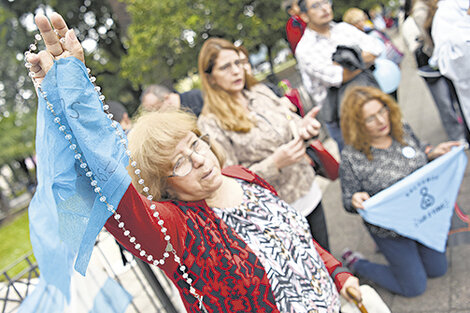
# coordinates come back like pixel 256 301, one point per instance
pixel 302 5
pixel 159 91
pixel 286 4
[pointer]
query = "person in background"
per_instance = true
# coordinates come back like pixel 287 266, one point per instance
pixel 234 245
pixel 451 55
pixel 257 130
pixel 295 26
pixel 159 97
pixel 380 150
pixel 314 56
pixel 442 88
pixel 120 115
pixel 360 20
pixel 377 18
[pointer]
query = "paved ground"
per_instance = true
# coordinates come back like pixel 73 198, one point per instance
pixel 449 294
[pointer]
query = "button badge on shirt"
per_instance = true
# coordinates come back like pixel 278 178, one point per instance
pixel 408 152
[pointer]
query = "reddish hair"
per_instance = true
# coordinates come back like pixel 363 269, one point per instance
pixel 353 127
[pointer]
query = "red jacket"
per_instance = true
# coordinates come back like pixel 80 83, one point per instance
pixel 224 270
pixel 295 28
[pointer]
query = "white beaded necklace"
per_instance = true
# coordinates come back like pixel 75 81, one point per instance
pixel 97 189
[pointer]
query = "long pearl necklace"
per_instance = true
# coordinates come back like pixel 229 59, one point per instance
pixel 98 190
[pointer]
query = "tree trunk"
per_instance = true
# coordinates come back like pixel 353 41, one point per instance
pixel 10 185
pixel 4 203
pixel 270 58
pixel 31 180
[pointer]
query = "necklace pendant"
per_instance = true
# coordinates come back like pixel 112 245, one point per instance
pixel 169 247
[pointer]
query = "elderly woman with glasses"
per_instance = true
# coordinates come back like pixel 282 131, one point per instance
pixel 380 150
pixel 229 244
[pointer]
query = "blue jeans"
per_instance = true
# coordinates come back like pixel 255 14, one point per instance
pixel 335 133
pixel 410 264
pixel 446 102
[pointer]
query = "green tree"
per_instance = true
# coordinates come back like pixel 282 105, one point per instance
pixel 17 137
pixel 165 36
pixel 95 26
pixel 17 100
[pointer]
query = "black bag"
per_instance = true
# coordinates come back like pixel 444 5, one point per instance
pixel 351 59
pixel 422 58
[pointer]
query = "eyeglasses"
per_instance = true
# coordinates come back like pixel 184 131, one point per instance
pixel 382 113
pixel 184 164
pixel 229 66
pixel 319 4
pixel 244 61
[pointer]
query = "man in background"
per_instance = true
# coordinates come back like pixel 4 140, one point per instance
pixel 314 54
pixel 451 55
pixel 158 97
pixel 120 115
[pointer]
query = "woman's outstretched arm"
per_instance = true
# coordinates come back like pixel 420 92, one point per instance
pixel 56 48
pixel 89 167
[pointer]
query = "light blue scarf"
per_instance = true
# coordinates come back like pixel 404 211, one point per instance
pixel 420 206
pixel 65 214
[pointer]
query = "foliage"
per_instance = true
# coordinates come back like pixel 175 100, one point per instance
pixel 166 35
pixel 15 241
pixel 94 24
pixel 16 95
pixel 17 136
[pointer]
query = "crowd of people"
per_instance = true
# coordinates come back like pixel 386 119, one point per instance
pixel 221 185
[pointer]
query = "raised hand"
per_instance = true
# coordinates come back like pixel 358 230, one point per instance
pixel 60 43
pixel 309 126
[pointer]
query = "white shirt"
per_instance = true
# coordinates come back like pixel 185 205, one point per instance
pixel 451 35
pixel 306 204
pixel 314 53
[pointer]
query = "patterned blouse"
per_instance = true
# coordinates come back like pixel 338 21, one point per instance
pixel 280 238
pixel 387 167
pixel 254 149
